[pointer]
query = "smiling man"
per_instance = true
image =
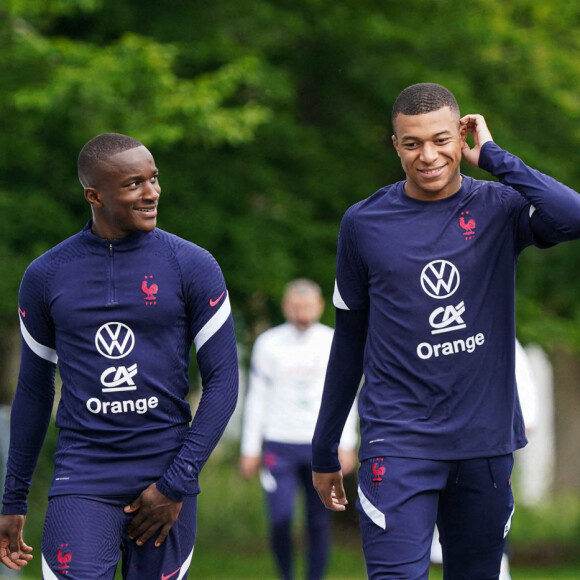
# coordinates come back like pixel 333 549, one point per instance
pixel 117 307
pixel 425 304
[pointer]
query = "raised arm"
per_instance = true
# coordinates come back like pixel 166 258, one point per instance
pixel 554 215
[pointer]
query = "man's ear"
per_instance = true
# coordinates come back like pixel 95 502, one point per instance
pixel 463 133
pixel 396 144
pixel 93 196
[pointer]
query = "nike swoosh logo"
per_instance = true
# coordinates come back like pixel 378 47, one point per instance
pixel 23 312
pixel 212 303
pixel 164 577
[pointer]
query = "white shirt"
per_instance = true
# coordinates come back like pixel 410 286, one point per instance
pixel 285 388
pixel 527 391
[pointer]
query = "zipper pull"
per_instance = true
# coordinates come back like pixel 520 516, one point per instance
pixel 111 249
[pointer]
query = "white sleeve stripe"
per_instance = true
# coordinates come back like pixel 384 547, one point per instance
pixel 532 210
pixel 337 298
pixel 213 324
pixel 42 351
pixel 372 512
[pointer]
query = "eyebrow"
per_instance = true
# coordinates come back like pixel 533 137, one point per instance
pixel 139 177
pixel 411 138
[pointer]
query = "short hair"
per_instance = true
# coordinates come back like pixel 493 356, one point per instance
pixel 423 98
pixel 302 286
pixel 99 149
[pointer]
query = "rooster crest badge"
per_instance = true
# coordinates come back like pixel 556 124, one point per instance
pixel 150 291
pixel 467 223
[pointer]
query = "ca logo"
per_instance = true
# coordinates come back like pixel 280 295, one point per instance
pixel 446 319
pixel 119 379
pixel 114 340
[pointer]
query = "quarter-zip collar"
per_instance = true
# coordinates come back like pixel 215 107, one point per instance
pixel 126 244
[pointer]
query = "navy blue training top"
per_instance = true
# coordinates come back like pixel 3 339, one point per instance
pixel 120 318
pixel 432 286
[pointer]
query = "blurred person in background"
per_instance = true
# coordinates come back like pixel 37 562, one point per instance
pixel 425 308
pixel 118 307
pixel 285 387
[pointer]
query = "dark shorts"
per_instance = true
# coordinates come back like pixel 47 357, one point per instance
pixel 401 500
pixel 85 537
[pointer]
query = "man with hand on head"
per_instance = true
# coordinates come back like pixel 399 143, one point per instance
pixel 425 304
pixel 118 307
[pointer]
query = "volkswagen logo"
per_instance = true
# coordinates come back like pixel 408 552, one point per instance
pixel 440 279
pixel 114 340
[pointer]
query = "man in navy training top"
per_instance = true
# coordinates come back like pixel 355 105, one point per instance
pixel 118 305
pixel 425 303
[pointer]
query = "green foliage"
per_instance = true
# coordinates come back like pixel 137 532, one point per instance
pixel 550 521
pixel 267 120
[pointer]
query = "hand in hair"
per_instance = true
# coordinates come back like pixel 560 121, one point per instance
pixel 477 127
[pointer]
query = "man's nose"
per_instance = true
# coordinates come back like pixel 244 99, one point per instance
pixel 152 190
pixel 428 152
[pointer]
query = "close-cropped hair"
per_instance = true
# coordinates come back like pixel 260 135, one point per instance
pixel 423 98
pixel 302 286
pixel 100 148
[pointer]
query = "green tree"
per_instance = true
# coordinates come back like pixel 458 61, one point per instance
pixel 268 119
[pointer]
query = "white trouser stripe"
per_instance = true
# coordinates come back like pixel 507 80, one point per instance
pixel 509 523
pixel 42 351
pixel 47 573
pixel 213 324
pixel 374 513
pixel 268 481
pixel 186 564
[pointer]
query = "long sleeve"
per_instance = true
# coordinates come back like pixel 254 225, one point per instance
pixel 255 404
pixel 343 377
pixel 33 400
pixel 215 341
pixel 555 206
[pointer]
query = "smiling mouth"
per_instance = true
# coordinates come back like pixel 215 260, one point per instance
pixel 428 172
pixel 146 209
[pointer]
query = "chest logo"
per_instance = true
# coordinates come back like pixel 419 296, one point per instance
pixel 440 279
pixel 446 319
pixel 116 379
pixel 114 340
pixel 150 291
pixel 467 223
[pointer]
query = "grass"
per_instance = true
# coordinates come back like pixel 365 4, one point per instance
pixel 345 565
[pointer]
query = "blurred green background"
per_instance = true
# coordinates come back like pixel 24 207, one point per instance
pixel 267 119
